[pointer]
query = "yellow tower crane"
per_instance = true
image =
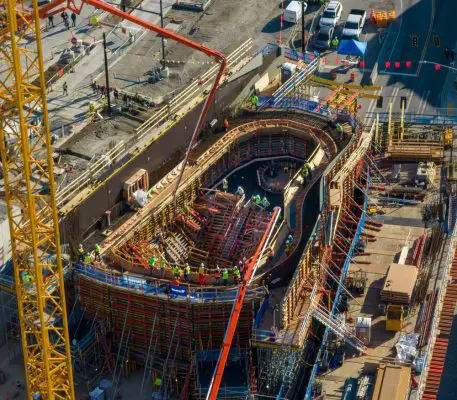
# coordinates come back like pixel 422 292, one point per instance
pixel 27 162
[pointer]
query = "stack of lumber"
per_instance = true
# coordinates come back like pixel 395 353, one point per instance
pixel 399 284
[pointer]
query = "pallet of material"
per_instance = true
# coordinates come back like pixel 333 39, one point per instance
pixel 399 284
pixel 392 383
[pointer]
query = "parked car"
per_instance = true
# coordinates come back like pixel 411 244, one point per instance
pixel 354 24
pixel 293 11
pixel 324 37
pixel 331 14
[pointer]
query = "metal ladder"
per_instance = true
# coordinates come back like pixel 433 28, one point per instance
pixel 340 329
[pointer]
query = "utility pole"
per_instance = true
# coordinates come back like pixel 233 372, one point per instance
pixel 106 74
pixel 163 39
pixel 303 25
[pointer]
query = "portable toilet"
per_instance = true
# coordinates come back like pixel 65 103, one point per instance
pixel 287 70
pixel 363 329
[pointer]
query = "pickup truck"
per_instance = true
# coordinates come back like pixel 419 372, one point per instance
pixel 354 23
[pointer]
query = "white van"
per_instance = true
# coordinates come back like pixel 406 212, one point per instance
pixel 292 13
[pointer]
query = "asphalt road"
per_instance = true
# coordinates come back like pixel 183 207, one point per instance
pixel 432 23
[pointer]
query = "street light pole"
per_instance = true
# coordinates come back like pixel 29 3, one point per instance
pixel 106 74
pixel 303 25
pixel 163 39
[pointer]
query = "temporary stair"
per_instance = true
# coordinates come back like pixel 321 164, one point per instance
pixel 230 241
pixel 340 329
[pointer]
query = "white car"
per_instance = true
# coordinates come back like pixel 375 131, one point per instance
pixel 331 14
pixel 354 24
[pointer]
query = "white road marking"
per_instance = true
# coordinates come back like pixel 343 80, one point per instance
pixel 394 96
pixel 408 104
pixel 423 104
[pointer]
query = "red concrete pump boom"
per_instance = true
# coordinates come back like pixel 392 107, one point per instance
pixel 50 9
pixel 237 307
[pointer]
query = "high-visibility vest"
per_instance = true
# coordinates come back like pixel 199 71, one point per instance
pixel 97 249
pixel 86 259
pixel 187 269
pixel 224 274
pixel 80 251
pixel 152 261
pixel 236 272
pixel 162 263
pixel 201 270
pixel 176 270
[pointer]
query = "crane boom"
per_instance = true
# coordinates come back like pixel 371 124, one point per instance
pixel 26 154
pixel 27 162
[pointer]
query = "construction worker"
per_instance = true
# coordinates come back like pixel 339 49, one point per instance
pixel 80 252
pixel 265 202
pixel 236 275
pixel 240 191
pixel 201 274
pixel 94 20
pixel 87 259
pixel 225 276
pixel 217 275
pixel 340 131
pixel 73 19
pixel 256 199
pixel 65 89
pixel 187 272
pixel 254 100
pixel 226 124
pixel 152 262
pixel 225 184
pixel 162 266
pixel 176 271
pixel 335 42
pixel 290 238
pixel 97 251
pixel 26 278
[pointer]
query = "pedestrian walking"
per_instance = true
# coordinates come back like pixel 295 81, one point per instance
pixel 73 19
pixel 447 53
pixel 51 21
pixel 94 86
pixel 64 16
pixel 65 89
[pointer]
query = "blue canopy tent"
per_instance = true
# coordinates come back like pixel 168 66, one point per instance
pixel 352 48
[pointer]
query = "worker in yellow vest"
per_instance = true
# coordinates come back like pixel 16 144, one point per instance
pixel 80 252
pixel 225 276
pixel 236 274
pixel 176 271
pixel 97 251
pixel 187 272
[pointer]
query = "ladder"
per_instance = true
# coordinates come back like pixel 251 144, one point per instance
pixel 339 328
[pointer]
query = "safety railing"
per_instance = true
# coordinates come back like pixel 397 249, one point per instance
pixel 153 287
pixel 437 313
pixel 336 300
pixel 149 131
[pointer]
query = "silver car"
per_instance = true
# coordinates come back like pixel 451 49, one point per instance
pixel 324 37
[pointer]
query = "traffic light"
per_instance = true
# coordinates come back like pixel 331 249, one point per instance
pixel 379 101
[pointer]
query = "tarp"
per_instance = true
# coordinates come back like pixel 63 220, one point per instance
pixel 352 48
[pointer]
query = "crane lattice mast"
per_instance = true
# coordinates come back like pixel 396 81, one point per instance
pixel 27 163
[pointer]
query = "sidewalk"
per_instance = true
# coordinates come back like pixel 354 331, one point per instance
pixel 67 113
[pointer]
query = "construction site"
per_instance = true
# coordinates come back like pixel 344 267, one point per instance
pixel 235 227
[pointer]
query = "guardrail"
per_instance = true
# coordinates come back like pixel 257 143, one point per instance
pixel 154 287
pixel 151 130
pixel 437 313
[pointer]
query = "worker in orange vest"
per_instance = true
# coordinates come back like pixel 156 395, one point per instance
pixel 226 124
